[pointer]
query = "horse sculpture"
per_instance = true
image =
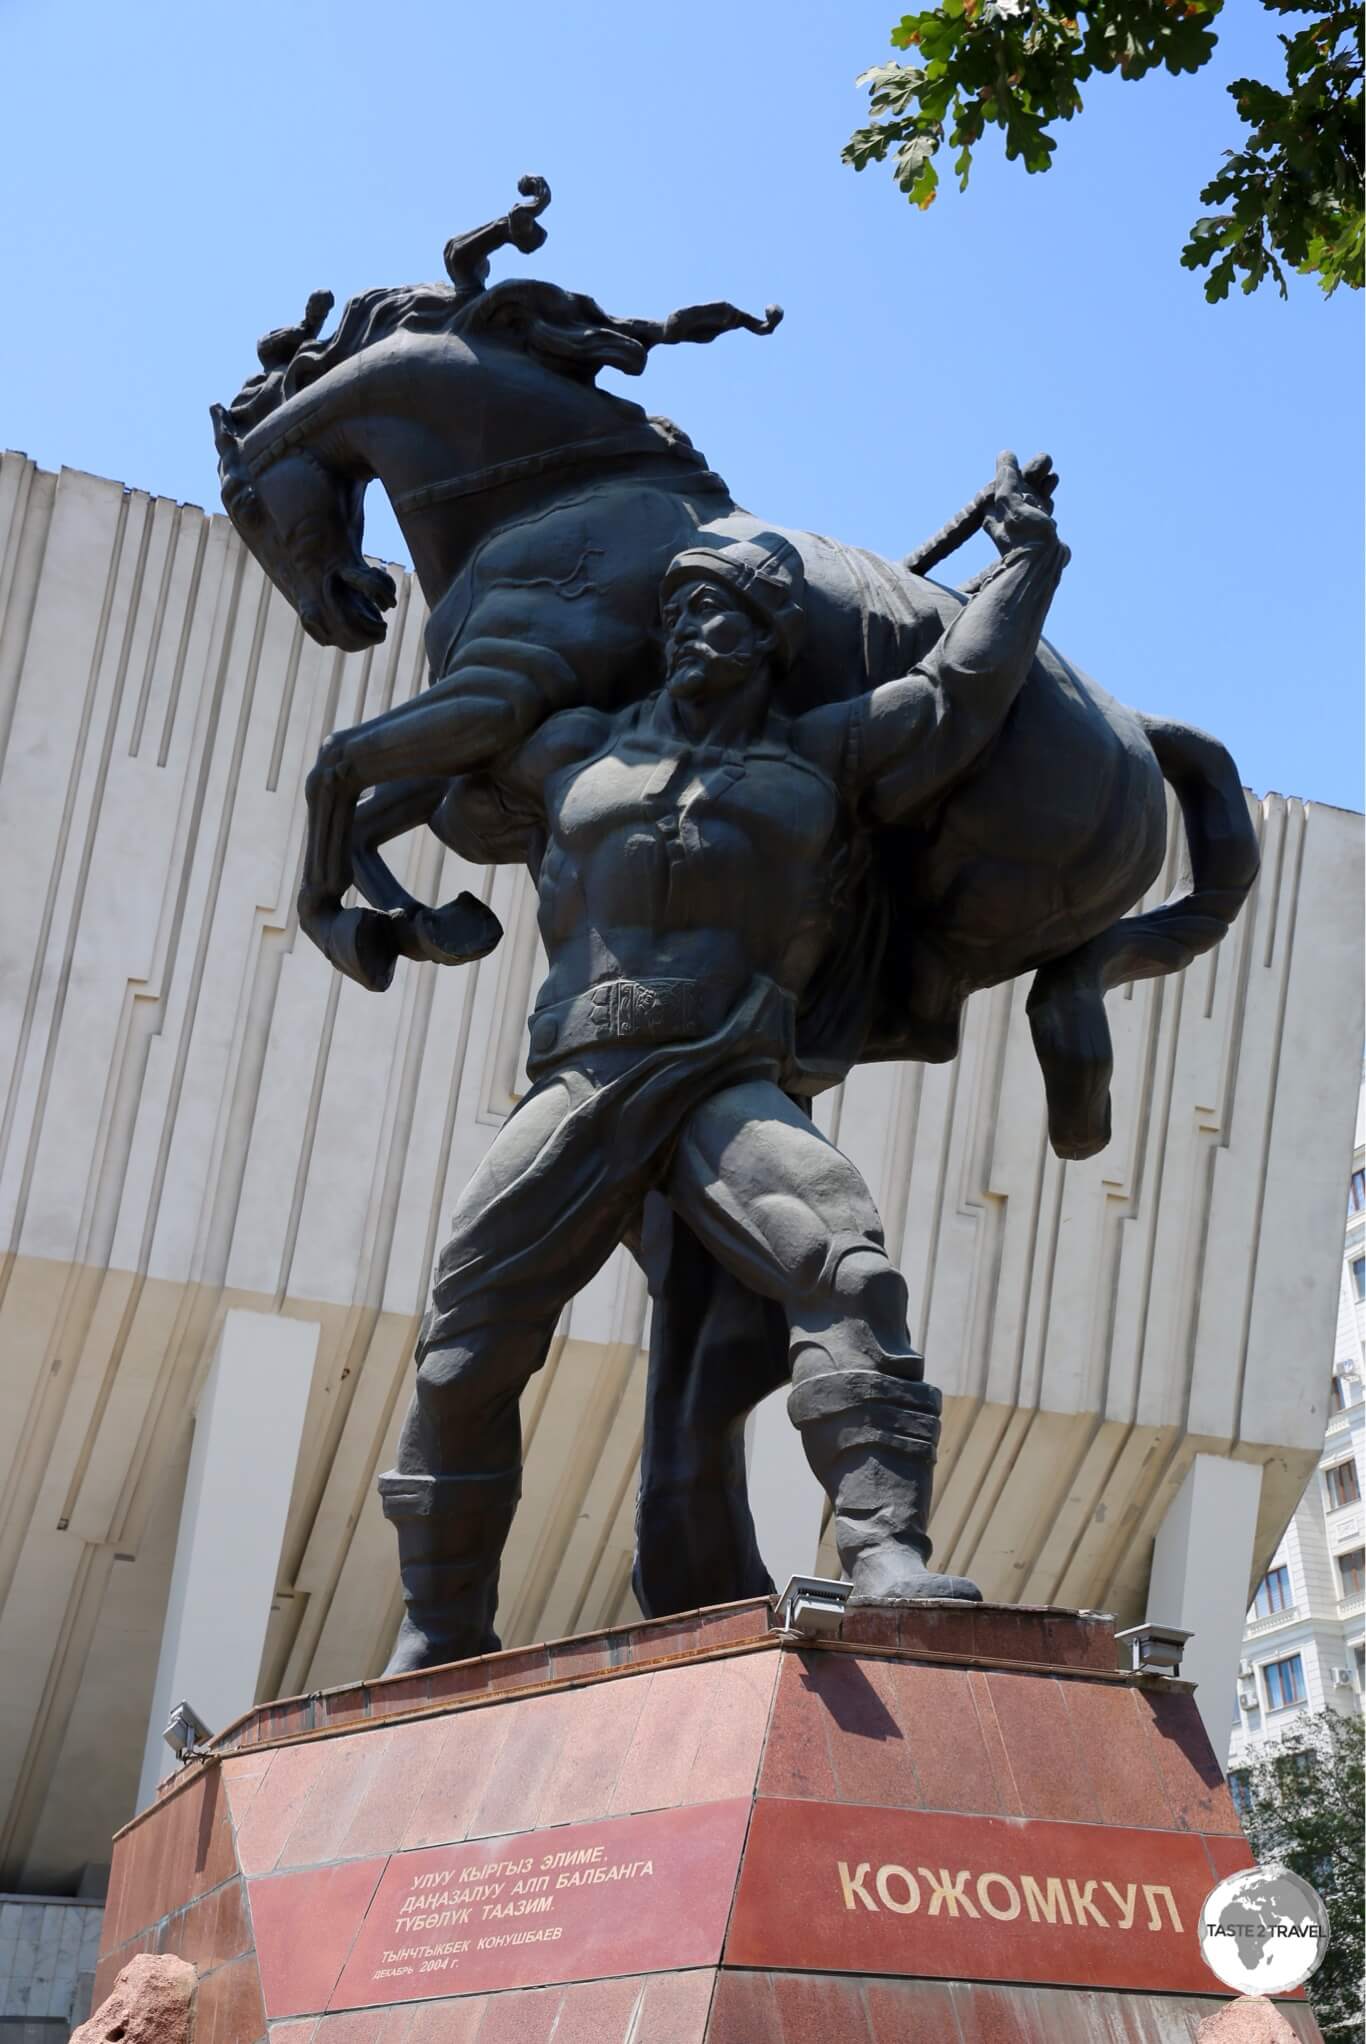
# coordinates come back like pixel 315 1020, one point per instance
pixel 541 512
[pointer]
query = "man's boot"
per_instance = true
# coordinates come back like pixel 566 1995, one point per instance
pixel 451 1532
pixel 871 1439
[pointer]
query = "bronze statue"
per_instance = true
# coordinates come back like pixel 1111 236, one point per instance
pixel 935 800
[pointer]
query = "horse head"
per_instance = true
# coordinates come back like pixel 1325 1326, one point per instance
pixel 303 522
pixel 446 393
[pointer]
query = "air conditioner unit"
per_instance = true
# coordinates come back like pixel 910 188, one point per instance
pixel 1342 1678
pixel 1247 1699
pixel 1244 1670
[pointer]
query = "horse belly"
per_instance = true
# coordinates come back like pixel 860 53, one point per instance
pixel 1059 832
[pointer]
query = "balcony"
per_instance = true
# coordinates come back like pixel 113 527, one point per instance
pixel 1353 1606
pixel 1256 1628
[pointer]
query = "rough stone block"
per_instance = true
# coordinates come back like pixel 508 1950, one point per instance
pixel 152 2003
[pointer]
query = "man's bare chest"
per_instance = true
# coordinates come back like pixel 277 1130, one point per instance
pixel 761 799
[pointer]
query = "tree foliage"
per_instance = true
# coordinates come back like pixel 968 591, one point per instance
pixel 1289 198
pixel 1303 1808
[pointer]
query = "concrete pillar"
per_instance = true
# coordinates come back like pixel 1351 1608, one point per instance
pixel 787 1502
pixel 1202 1560
pixel 247 1430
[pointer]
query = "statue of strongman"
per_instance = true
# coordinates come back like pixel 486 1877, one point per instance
pixel 700 848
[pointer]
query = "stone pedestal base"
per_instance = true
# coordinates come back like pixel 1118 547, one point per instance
pixel 951 1823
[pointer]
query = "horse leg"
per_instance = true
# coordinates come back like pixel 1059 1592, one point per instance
pixel 435 936
pixel 1071 1032
pixel 1067 1000
pixel 474 712
pixel 381 815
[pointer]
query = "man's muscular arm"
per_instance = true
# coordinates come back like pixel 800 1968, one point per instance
pixel 564 738
pixel 909 740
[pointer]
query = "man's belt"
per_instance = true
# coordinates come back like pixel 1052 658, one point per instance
pixel 619 1011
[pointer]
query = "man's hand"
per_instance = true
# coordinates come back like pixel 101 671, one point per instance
pixel 1021 512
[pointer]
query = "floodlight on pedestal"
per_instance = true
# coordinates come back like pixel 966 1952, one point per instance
pixel 186 1732
pixel 813 1605
pixel 1156 1649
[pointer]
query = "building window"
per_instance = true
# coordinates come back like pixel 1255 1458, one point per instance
pixel 1284 1682
pixel 1352 1569
pixel 1359 1656
pixel 1337 1394
pixel 1356 1193
pixel 1273 1593
pixel 1359 1276
pixel 1240 1788
pixel 1343 1487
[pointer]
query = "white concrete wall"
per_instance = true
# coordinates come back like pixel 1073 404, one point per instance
pixel 199 1116
pixel 1205 1542
pixel 788 1503
pixel 246 1447
pixel 48 1953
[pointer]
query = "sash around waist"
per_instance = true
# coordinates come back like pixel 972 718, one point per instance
pixel 633 1011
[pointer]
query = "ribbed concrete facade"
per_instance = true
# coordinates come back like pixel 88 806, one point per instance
pixel 198 1115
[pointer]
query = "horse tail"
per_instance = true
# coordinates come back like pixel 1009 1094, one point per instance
pixel 1067 1000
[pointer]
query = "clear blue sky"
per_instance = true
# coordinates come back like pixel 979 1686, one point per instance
pixel 179 177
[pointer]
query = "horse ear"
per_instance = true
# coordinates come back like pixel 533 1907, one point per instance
pixel 224 439
pixel 277 349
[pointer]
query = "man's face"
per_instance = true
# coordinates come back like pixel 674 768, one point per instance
pixel 712 641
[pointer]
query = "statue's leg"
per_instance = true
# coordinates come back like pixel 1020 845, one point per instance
pixel 524 1240
pixel 788 1214
pixel 452 1495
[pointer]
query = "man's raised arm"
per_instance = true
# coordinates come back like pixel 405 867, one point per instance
pixel 914 737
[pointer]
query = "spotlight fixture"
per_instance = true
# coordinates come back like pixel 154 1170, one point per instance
pixel 186 1733
pixel 1156 1649
pixel 814 1606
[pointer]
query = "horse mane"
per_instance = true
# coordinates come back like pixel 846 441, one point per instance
pixel 366 320
pixel 566 331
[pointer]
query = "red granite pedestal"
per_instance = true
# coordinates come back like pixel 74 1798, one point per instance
pixel 949 1825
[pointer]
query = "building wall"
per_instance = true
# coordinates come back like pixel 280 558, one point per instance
pixel 1324 1624
pixel 48 1951
pixel 200 1115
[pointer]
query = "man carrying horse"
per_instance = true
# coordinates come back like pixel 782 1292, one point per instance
pixel 701 848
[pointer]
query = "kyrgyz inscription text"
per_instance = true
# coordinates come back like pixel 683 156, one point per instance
pixel 613 1895
pixel 471 1897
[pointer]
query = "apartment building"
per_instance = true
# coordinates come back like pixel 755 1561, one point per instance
pixel 1304 1648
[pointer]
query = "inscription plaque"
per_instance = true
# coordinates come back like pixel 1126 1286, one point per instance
pixel 527 1909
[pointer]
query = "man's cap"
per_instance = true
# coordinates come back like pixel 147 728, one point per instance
pixel 766 572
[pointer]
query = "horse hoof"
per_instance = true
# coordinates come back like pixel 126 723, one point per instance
pixel 457 932
pixel 365 946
